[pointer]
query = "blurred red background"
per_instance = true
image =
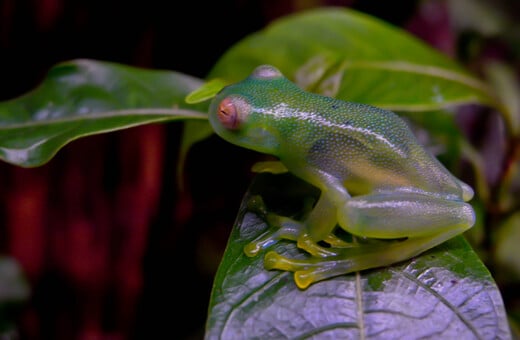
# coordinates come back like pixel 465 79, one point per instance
pixel 110 247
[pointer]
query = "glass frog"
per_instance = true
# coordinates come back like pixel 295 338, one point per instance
pixel 376 181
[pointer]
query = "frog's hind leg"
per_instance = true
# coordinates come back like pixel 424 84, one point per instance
pixel 404 214
pixel 411 223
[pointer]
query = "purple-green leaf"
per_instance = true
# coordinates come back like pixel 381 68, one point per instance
pixel 445 293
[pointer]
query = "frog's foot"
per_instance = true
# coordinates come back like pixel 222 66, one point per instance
pixel 336 242
pixel 289 229
pixel 282 228
pixel 306 243
pixel 322 218
pixel 348 260
pixel 307 271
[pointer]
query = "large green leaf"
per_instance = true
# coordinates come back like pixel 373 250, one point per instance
pixel 85 97
pixel 355 57
pixel 445 293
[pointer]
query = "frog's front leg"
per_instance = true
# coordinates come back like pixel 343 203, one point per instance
pixel 424 220
pixel 317 226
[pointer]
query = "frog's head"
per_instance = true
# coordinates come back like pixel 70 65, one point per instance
pixel 242 113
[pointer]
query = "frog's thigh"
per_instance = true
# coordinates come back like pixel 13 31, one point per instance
pixel 395 215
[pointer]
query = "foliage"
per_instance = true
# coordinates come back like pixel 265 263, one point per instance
pixel 84 97
pixel 343 54
pixel 445 293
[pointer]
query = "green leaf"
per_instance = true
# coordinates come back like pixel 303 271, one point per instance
pixel 357 58
pixel 445 293
pixel 206 91
pixel 85 97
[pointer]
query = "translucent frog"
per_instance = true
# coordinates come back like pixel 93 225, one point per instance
pixel 376 181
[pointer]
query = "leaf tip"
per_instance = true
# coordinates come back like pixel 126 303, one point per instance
pixel 207 91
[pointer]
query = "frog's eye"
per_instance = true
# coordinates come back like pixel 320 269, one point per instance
pixel 232 112
pixel 227 114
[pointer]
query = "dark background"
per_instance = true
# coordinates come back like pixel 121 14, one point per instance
pixel 110 247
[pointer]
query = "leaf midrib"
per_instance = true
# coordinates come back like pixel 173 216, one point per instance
pixel 183 113
pixel 359 303
pixel 422 69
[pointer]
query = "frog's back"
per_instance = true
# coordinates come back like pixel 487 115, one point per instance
pixel 371 149
pixel 367 148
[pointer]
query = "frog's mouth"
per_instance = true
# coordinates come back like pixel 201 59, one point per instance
pixel 260 139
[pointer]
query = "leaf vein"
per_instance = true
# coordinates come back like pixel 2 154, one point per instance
pixel 110 114
pixel 264 287
pixel 430 70
pixel 332 326
pixel 445 302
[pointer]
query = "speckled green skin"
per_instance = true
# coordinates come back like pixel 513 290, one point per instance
pixel 376 180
